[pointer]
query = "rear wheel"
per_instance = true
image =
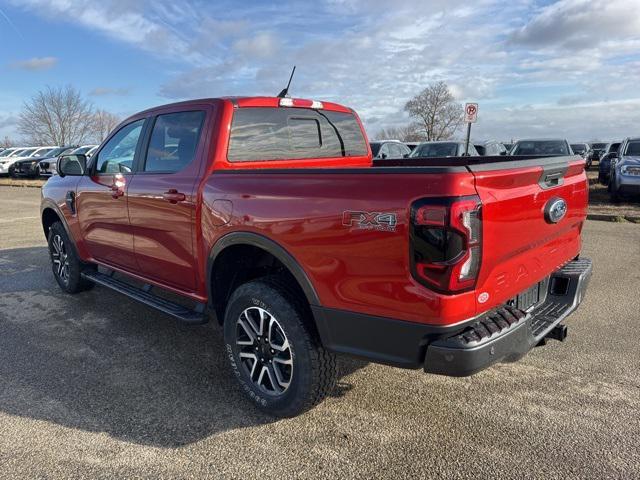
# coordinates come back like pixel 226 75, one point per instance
pixel 65 263
pixel 274 350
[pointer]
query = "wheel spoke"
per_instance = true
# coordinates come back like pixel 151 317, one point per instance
pixel 247 330
pixel 250 356
pixel 264 350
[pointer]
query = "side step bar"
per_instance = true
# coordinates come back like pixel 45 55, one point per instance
pixel 192 317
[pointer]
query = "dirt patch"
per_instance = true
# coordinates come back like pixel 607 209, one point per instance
pixel 20 182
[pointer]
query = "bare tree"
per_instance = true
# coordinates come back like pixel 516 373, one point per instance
pixel 407 133
pixel 56 116
pixel 103 123
pixel 437 113
pixel 6 142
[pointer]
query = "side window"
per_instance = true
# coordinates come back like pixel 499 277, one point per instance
pixel 117 155
pixel 385 151
pixel 396 150
pixel 174 141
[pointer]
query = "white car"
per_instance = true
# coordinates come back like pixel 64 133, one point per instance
pixel 31 152
pixel 48 165
pixel 9 152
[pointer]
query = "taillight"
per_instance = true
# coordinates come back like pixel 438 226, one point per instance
pixel 446 243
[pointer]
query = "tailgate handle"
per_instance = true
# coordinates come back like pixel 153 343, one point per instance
pixel 553 179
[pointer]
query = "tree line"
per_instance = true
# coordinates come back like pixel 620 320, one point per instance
pixel 62 116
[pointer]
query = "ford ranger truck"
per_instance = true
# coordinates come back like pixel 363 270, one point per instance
pixel 269 216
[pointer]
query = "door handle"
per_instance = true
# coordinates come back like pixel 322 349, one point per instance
pixel 174 196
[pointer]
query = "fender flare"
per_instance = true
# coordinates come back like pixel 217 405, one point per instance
pixel 260 241
pixel 49 204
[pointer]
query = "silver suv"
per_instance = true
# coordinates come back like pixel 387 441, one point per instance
pixel 625 169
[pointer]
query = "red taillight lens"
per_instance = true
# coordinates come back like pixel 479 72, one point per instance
pixel 446 248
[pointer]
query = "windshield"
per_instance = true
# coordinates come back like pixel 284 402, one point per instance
pixel 82 150
pixel 541 147
pixel 435 150
pixel 578 147
pixel 614 147
pixel 633 148
pixel 55 152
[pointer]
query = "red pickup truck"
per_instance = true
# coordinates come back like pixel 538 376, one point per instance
pixel 269 215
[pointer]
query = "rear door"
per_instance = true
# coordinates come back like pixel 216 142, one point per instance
pixel 162 196
pixel 522 242
pixel 101 198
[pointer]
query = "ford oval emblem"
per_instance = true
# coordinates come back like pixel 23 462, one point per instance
pixel 555 210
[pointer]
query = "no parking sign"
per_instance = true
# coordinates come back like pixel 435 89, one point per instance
pixel 470 112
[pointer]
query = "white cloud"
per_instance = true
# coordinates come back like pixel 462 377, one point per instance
pixel 572 61
pixel 36 63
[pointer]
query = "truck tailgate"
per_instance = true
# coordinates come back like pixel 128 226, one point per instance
pixel 521 244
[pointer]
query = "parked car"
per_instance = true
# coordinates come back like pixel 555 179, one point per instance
pixel 301 248
pixel 47 166
pixel 598 149
pixel 443 149
pixel 22 154
pixel 389 149
pixel 604 165
pixel 541 146
pixel 9 152
pixel 508 146
pixel 490 148
pixel 584 150
pixel 31 167
pixel 625 170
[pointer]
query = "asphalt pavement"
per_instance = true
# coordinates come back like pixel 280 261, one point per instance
pixel 97 386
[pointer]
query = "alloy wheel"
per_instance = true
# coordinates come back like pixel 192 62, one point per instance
pixel 60 258
pixel 264 350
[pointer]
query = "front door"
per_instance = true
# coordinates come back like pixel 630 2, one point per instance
pixel 162 199
pixel 102 199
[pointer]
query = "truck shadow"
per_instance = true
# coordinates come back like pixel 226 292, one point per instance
pixel 102 363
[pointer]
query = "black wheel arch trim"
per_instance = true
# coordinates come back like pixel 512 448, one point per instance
pixel 50 205
pixel 275 249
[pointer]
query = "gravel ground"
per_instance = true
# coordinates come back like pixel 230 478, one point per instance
pixel 96 386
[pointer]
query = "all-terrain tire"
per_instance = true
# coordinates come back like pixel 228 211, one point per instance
pixel 65 262
pixel 313 371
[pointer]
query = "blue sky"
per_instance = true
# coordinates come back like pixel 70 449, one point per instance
pixel 538 68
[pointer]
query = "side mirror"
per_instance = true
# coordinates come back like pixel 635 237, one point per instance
pixel 72 165
pixel 383 155
pixel 504 152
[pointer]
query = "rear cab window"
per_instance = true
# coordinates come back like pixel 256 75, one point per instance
pixel 288 133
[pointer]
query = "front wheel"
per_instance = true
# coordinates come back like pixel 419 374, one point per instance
pixel 274 350
pixel 65 263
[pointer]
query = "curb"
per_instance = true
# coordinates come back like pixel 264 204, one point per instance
pixel 606 217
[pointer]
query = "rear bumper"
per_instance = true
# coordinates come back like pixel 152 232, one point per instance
pixel 503 335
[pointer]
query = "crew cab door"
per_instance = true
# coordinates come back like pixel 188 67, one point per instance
pixel 162 196
pixel 102 198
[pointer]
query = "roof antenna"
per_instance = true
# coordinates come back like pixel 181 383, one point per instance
pixel 285 91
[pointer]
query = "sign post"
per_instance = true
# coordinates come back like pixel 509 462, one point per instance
pixel 470 116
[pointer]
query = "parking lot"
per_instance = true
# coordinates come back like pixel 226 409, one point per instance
pixel 97 386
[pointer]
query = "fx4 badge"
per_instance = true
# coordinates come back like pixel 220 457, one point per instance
pixel 385 222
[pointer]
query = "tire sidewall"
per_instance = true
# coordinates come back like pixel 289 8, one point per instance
pixel 262 295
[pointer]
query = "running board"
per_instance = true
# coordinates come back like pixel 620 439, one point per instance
pixel 196 316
